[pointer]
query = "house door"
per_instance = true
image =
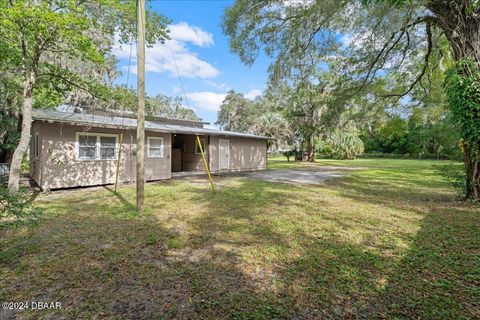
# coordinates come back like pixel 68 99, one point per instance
pixel 223 154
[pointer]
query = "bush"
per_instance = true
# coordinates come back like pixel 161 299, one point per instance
pixel 288 154
pixel 346 145
pixel 17 208
pixel 25 166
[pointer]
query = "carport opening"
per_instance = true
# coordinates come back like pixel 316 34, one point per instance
pixel 186 155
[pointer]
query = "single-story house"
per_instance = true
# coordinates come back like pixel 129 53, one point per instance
pixel 71 149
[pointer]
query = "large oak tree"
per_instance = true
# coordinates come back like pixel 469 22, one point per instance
pixel 373 39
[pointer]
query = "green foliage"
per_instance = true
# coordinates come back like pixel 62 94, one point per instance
pixel 424 134
pixel 455 175
pixel 275 126
pixel 237 113
pixel 288 154
pixel 16 208
pixel 462 86
pixel 9 134
pixel 346 145
pixel 392 137
pixel 323 148
pixel 260 116
pixel 25 165
pixel 66 48
pixel 164 106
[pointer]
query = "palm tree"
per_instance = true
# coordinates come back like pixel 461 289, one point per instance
pixel 346 144
pixel 272 125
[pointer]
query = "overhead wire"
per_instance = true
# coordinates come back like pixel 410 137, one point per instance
pixel 179 75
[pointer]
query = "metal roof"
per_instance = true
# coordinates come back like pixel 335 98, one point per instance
pixel 128 123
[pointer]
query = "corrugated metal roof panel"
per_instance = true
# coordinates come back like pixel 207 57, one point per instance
pixel 121 122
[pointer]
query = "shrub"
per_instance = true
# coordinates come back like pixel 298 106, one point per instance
pixel 346 145
pixel 456 177
pixel 25 166
pixel 17 208
pixel 288 154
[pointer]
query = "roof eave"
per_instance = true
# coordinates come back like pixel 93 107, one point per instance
pixel 126 127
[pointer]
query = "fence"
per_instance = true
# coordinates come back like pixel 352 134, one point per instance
pixel 4 170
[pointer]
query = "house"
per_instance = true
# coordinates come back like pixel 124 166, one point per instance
pixel 71 149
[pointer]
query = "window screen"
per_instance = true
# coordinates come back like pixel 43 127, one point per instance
pixel 155 147
pixel 87 147
pixel 107 147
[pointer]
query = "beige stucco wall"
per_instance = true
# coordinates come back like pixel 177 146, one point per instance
pixel 244 153
pixel 157 168
pixel 58 166
pixel 247 154
pixel 61 169
pixel 213 153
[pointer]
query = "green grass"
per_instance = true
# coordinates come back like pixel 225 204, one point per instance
pixel 389 240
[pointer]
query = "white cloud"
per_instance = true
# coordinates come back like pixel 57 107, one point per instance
pixel 184 32
pixel 174 53
pixel 220 86
pixel 252 94
pixel 206 100
pixel 211 101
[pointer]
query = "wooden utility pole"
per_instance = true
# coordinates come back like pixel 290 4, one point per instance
pixel 141 106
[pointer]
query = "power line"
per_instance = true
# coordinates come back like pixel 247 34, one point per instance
pixel 179 76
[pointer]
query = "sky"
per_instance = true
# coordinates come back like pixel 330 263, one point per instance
pixel 201 54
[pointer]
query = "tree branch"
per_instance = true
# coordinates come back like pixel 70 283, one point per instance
pixel 68 81
pixel 424 68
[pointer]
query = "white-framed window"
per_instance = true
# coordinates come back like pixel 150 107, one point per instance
pixel 197 147
pixel 155 147
pixel 108 147
pixel 96 146
pixel 36 146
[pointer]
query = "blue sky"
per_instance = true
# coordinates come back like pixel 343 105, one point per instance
pixel 207 67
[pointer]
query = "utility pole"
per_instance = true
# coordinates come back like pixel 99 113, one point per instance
pixel 141 106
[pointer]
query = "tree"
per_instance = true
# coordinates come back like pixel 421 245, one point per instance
pixel 377 38
pixel 164 106
pixel 51 43
pixel 346 144
pixel 236 113
pixel 275 126
pixel 307 100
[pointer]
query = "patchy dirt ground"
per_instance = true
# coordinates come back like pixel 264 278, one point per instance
pixel 296 176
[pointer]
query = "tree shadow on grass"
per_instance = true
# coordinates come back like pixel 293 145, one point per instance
pixel 437 277
pixel 294 273
pixel 252 251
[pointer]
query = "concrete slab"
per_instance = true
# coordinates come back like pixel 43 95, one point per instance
pixel 294 176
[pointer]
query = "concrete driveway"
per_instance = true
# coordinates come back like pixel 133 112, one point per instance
pixel 298 176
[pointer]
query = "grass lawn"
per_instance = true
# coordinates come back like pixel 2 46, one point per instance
pixel 389 240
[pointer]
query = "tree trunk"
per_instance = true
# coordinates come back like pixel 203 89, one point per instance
pixel 310 156
pixel 16 163
pixel 461 28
